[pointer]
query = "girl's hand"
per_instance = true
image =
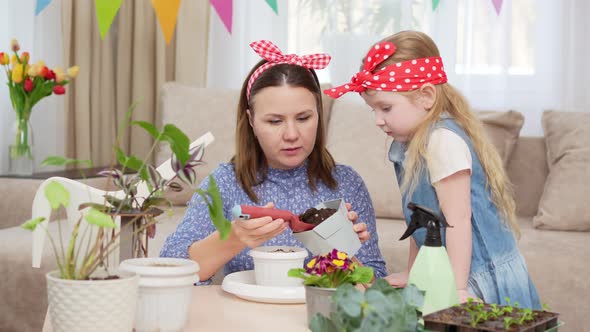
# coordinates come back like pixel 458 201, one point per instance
pixel 399 280
pixel 256 231
pixel 360 228
pixel 464 295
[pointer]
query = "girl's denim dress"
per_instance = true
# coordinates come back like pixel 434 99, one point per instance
pixel 497 268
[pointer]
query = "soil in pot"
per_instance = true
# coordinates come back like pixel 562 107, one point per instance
pixel 283 250
pixel 104 278
pixel 316 216
pixel 462 317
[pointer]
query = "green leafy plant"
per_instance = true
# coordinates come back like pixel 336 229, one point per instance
pixel 479 313
pixel 379 308
pixel 332 270
pixel 82 258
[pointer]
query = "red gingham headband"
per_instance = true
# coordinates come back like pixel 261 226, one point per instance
pixel 271 53
pixel 402 76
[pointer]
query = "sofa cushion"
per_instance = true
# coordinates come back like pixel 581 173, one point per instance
pixel 197 111
pixel 564 203
pixel 354 140
pixel 503 129
pixel 527 169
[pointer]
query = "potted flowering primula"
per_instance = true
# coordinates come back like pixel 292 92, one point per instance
pixel 28 83
pixel 323 274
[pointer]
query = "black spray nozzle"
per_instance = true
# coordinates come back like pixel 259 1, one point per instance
pixel 424 217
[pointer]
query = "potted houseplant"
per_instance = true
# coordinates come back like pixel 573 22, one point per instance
pixel 28 83
pixel 86 280
pixel 477 316
pixel 381 307
pixel 323 274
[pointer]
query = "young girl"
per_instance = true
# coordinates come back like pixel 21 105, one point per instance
pixel 443 161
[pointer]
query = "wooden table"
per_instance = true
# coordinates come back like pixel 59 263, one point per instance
pixel 213 309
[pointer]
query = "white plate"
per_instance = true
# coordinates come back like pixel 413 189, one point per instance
pixel 242 284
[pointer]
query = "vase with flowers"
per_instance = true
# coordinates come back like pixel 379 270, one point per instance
pixel 28 83
pixel 323 274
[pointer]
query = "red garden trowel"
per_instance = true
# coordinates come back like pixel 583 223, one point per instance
pixel 248 212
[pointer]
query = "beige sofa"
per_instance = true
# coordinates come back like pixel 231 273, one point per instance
pixel 556 259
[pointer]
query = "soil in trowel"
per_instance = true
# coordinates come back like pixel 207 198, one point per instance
pixel 315 216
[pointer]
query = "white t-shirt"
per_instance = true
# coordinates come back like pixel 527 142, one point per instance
pixel 447 154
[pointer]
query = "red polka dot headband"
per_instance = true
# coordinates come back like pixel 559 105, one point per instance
pixel 402 76
pixel 271 53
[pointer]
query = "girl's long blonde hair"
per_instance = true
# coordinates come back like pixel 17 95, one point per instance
pixel 412 45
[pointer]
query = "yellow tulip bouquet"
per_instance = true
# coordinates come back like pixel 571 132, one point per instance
pixel 28 83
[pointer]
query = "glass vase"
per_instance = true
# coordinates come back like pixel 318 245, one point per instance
pixel 21 160
pixel 134 236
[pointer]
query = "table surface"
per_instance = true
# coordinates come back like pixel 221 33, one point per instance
pixel 74 174
pixel 213 309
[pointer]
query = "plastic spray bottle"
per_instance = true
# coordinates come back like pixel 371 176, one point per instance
pixel 432 271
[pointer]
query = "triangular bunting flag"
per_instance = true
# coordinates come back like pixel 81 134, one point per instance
pixel 497 6
pixel 105 14
pixel 167 12
pixel 435 4
pixel 273 5
pixel 224 9
pixel 41 4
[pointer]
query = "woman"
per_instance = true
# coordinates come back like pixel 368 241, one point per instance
pixel 281 161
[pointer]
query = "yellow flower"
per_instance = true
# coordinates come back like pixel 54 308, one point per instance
pixel 341 255
pixel 40 63
pixel 14 60
pixel 59 74
pixel 338 262
pixel 34 70
pixel 311 263
pixel 17 74
pixel 73 71
pixel 14 45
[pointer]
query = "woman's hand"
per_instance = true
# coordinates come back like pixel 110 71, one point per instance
pixel 398 280
pixel 359 228
pixel 256 231
pixel 464 295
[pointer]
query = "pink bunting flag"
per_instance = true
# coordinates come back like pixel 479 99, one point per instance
pixel 497 6
pixel 224 9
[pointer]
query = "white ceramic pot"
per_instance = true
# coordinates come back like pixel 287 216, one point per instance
pixel 92 305
pixel 272 264
pixel 165 292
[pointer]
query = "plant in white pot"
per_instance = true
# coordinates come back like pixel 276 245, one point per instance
pixel 323 274
pixel 272 265
pixel 89 292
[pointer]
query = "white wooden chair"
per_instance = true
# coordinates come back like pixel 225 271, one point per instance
pixel 83 193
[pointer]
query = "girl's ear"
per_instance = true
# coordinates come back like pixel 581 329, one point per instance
pixel 427 96
pixel 250 118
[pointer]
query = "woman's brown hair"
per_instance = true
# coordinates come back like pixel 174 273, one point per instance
pixel 249 161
